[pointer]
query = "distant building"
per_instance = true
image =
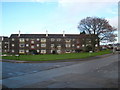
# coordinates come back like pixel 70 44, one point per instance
pixel 45 43
pixel 4 44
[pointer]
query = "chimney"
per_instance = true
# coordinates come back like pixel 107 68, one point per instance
pixel 19 34
pixel 63 33
pixel 46 33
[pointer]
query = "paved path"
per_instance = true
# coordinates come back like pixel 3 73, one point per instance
pixel 102 72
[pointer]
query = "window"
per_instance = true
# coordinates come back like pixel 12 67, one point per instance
pixel 43 51
pixel 58 51
pixel 22 45
pixel 27 39
pixel 68 45
pixel 5 50
pixel 73 45
pixel 13 39
pixel 13 45
pixel 52 39
pixel 21 39
pixel 96 45
pixel 43 45
pixel 38 39
pixel 78 46
pixel 37 45
pixel 32 42
pixel 32 46
pixel 27 51
pixel 6 42
pixel 68 40
pixel 58 39
pixel 5 46
pixel 43 39
pixel 73 39
pixel 13 51
pixel 21 51
pixel 52 45
pixel 67 51
pixel 83 45
pixel 38 51
pixel 59 46
pixel 27 45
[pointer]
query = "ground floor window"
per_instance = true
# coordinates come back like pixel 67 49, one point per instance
pixel 43 51
pixel 21 51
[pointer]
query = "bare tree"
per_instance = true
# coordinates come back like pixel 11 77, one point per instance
pixel 97 28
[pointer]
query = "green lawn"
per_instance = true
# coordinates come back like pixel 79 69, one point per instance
pixel 48 57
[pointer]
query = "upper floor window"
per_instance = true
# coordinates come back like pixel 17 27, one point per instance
pixel 43 39
pixel 73 39
pixel 13 39
pixel 73 45
pixel 83 45
pixel 43 45
pixel 13 45
pixel 38 39
pixel 52 39
pixel 58 39
pixel 22 45
pixel 27 39
pixel 6 42
pixel 32 42
pixel 68 40
pixel 21 39
pixel 27 45
pixel 78 46
pixel 59 46
pixel 13 51
pixel 67 45
pixel 27 51
pixel 52 45
pixel 32 46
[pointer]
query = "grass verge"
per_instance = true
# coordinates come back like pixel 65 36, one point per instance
pixel 48 57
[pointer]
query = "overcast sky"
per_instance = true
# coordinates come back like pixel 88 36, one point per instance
pixel 37 16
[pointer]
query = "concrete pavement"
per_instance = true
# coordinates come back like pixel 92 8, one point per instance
pixel 88 74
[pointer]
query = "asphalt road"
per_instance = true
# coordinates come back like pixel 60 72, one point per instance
pixel 97 73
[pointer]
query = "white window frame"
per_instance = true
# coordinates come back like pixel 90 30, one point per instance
pixel 38 51
pixel 37 45
pixel 67 45
pixel 52 45
pixel 52 39
pixel 78 46
pixel 43 39
pixel 21 40
pixel 21 51
pixel 43 45
pixel 12 51
pixel 38 39
pixel 32 46
pixel 58 39
pixel 20 45
pixel 27 39
pixel 32 42
pixel 27 51
pixel 13 45
pixel 43 51
pixel 27 45
pixel 13 39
